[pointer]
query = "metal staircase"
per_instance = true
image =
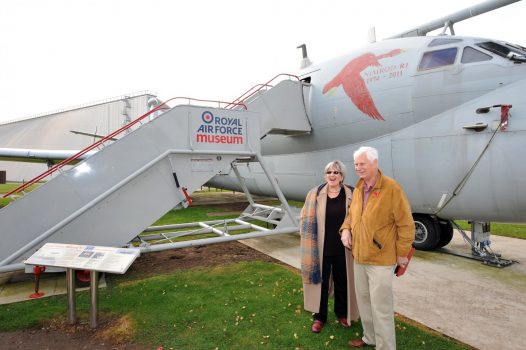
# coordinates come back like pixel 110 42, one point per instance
pixel 110 198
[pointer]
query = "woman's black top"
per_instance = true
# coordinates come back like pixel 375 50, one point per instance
pixel 334 216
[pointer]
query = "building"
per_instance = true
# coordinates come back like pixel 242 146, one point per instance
pixel 69 129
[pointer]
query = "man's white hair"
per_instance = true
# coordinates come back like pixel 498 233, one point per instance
pixel 370 152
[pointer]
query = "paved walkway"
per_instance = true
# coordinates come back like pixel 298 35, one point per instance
pixel 482 306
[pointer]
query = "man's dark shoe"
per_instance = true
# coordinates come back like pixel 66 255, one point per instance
pixel 343 322
pixel 317 326
pixel 358 343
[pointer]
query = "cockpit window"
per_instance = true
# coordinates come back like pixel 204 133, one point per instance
pixel 517 48
pixel 498 49
pixel 470 55
pixel 514 53
pixel 439 58
pixel 443 41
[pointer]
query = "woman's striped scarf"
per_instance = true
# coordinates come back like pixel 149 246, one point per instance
pixel 310 256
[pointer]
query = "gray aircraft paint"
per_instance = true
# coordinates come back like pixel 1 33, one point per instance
pixel 422 142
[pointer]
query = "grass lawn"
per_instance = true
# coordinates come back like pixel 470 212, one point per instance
pixel 507 230
pixel 256 305
pixel 243 305
pixel 8 187
pixel 191 214
pixel 4 188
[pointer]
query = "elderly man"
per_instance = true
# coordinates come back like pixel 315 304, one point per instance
pixel 379 228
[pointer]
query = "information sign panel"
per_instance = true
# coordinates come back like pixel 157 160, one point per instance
pixel 85 257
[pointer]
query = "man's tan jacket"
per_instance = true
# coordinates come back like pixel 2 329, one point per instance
pixel 385 228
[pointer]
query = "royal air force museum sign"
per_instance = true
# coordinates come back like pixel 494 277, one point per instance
pixel 213 130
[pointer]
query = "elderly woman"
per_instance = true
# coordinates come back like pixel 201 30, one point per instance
pixel 325 263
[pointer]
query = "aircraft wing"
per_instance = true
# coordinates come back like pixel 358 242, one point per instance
pixel 40 155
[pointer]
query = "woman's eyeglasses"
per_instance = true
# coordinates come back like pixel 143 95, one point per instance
pixel 336 172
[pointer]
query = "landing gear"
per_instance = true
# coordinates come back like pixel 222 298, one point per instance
pixel 427 233
pixel 446 232
pixel 480 245
pixel 431 233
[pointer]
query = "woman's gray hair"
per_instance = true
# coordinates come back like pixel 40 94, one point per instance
pixel 338 166
pixel 370 152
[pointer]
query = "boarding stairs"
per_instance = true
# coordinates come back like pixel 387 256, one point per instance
pixel 112 197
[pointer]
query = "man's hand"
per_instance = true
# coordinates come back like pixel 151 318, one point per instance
pixel 401 260
pixel 346 238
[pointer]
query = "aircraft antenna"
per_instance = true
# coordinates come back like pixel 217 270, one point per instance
pixel 371 35
pixel 305 62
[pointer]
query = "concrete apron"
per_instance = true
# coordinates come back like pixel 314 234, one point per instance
pixel 479 305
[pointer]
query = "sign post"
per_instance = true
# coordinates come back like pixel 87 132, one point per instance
pixel 94 285
pixel 84 257
pixel 70 289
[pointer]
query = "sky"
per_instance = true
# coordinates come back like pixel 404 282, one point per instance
pixel 57 54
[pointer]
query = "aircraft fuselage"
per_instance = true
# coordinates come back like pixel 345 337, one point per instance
pixel 415 100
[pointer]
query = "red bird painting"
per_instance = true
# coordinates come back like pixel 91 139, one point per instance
pixel 354 85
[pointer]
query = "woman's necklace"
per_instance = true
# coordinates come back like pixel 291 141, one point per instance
pixel 337 191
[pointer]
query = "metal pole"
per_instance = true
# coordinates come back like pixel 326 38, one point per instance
pixel 70 288
pixel 214 240
pixel 94 285
pixel 243 184
pixel 12 267
pixel 275 185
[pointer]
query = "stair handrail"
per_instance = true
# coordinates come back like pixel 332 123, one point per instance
pixel 249 93
pixel 246 94
pixel 106 138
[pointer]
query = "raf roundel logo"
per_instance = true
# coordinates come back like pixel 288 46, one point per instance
pixel 207 117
